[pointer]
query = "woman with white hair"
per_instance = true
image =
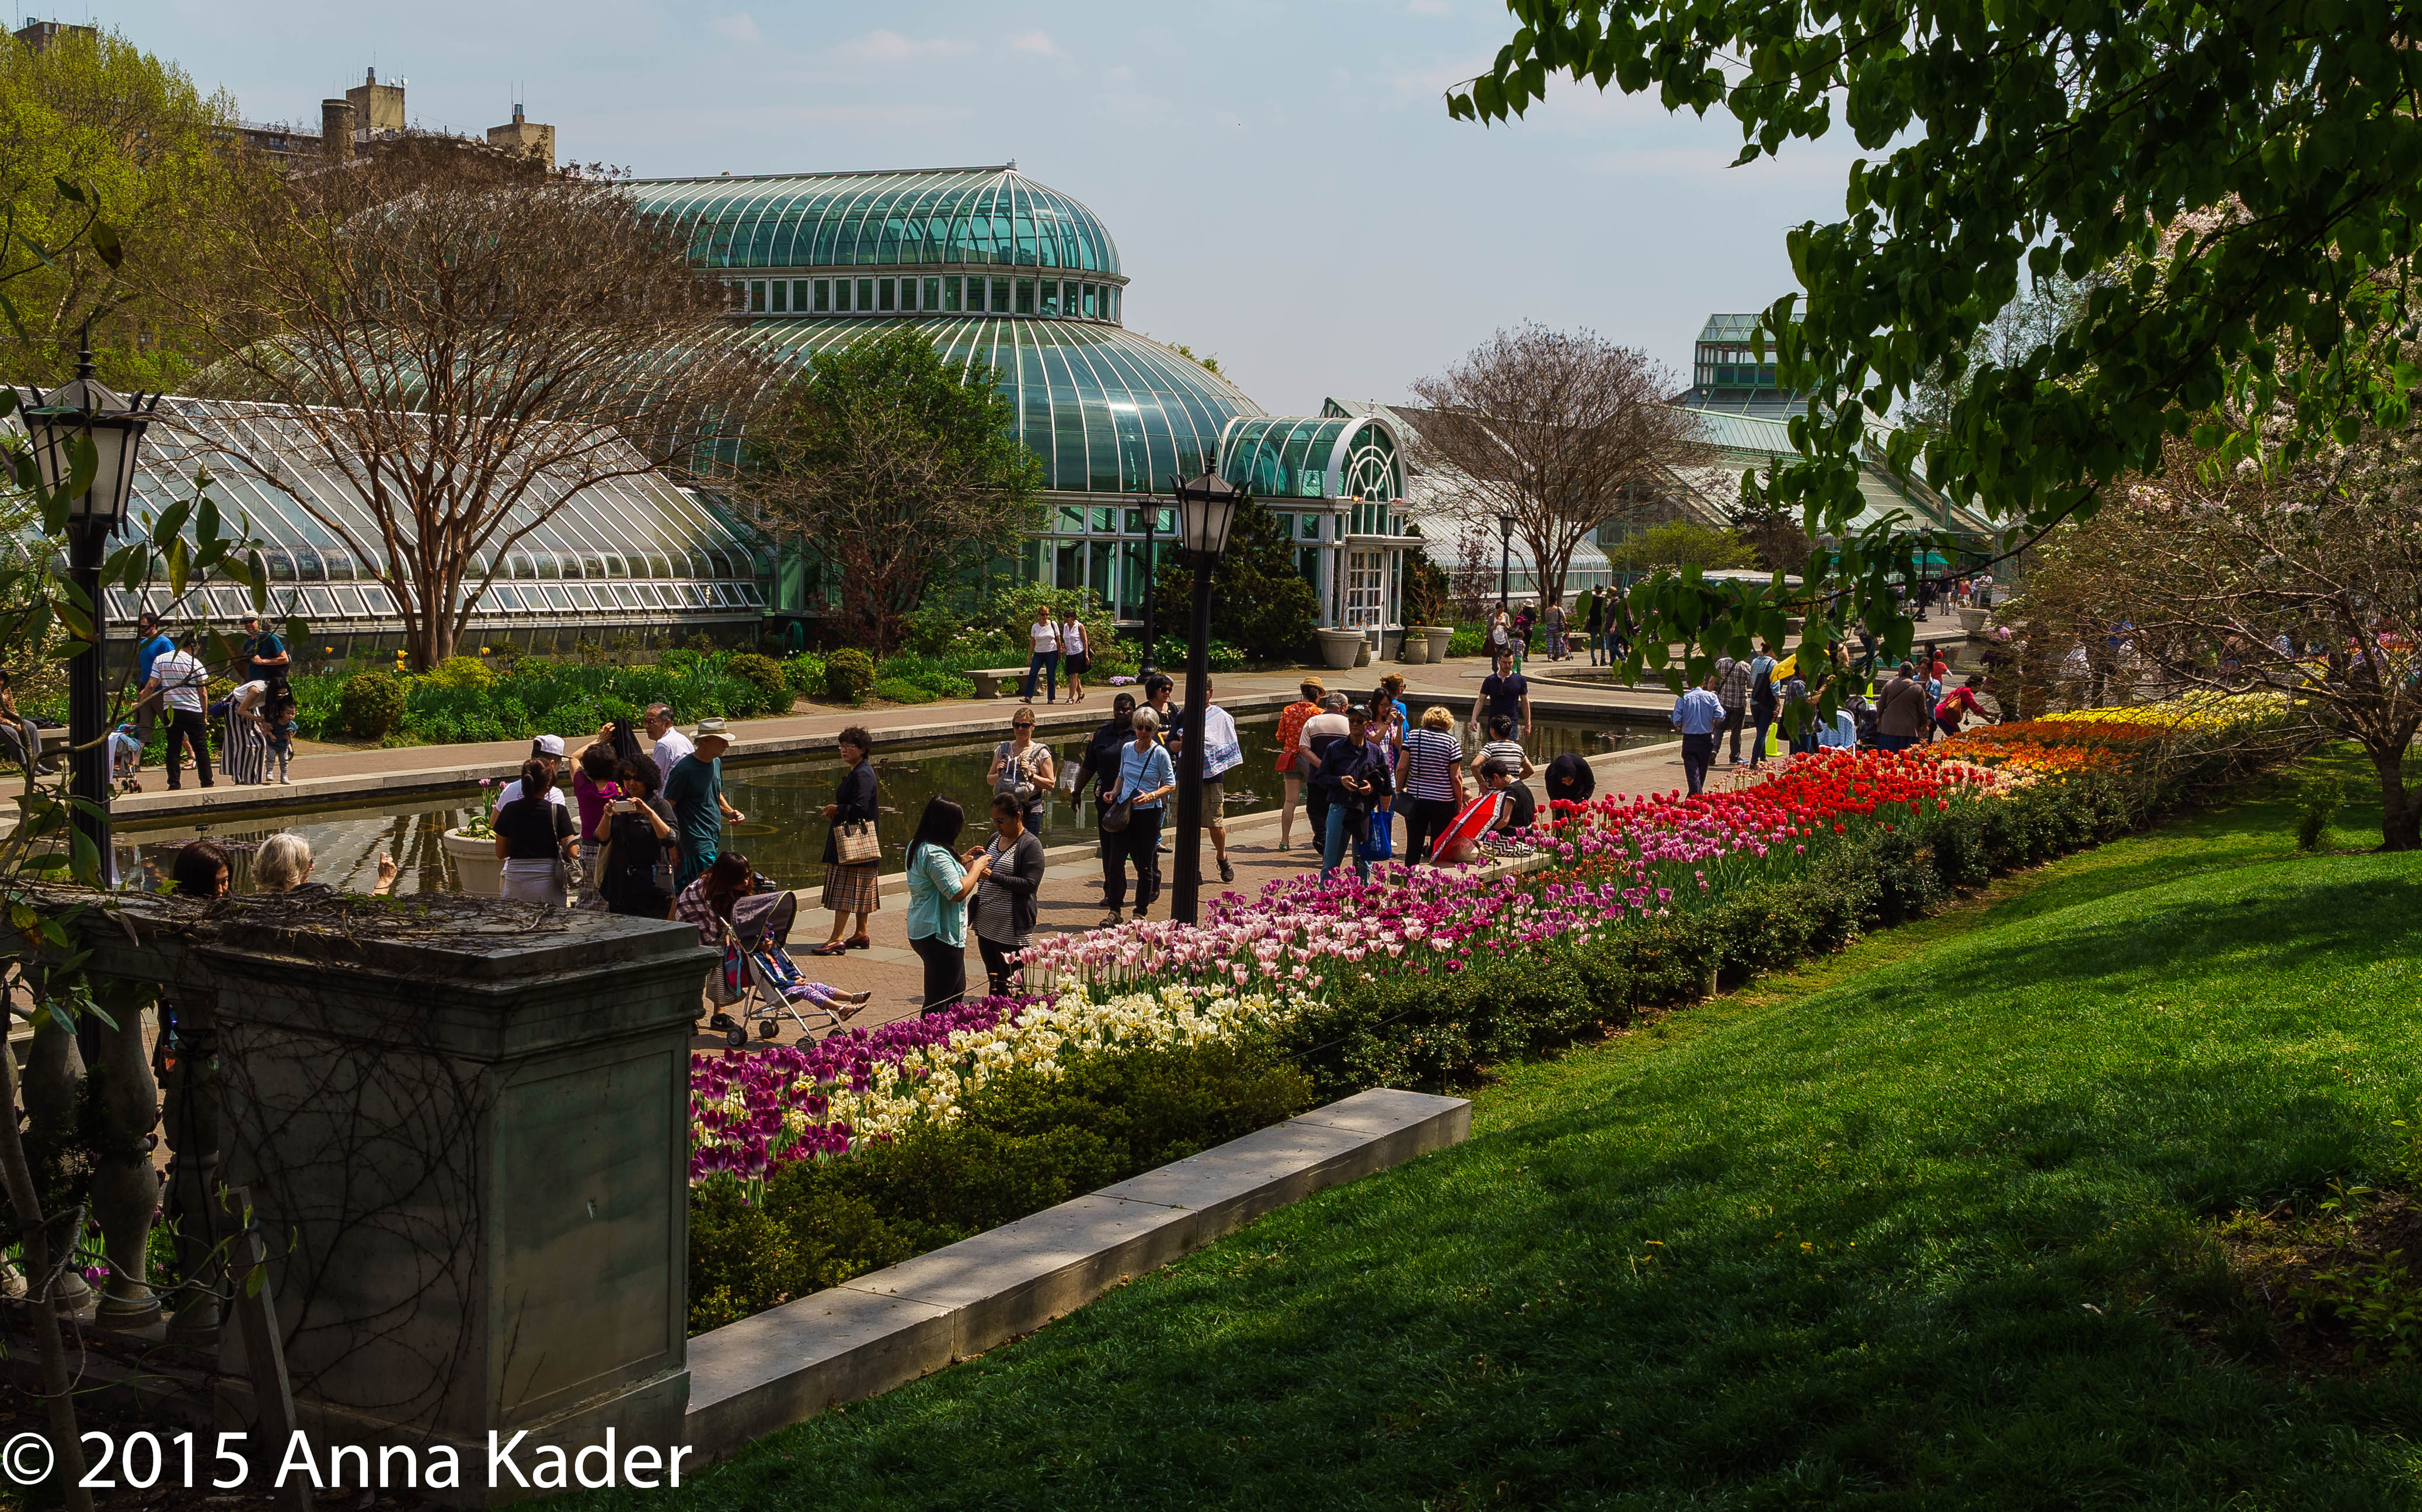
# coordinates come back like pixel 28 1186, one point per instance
pixel 283 864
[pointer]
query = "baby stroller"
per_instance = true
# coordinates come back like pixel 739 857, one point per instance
pixel 762 980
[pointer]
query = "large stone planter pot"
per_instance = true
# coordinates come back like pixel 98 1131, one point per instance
pixel 1414 648
pixel 477 869
pixel 1973 621
pixel 1340 648
pixel 1362 657
pixel 1441 636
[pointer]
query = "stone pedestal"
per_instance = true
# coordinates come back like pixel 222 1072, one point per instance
pixel 465 1126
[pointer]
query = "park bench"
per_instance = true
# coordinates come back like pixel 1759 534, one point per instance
pixel 992 682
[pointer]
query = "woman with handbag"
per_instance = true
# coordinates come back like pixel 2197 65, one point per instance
pixel 852 852
pixel 1291 763
pixel 1132 821
pixel 1005 909
pixel 634 836
pixel 534 840
pixel 1022 770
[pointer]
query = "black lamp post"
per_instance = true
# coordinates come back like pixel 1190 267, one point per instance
pixel 1925 559
pixel 89 411
pixel 1151 524
pixel 1505 565
pixel 1205 507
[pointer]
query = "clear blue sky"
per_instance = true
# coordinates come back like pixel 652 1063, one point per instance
pixel 1284 183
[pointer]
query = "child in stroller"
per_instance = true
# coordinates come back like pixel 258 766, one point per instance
pixel 763 982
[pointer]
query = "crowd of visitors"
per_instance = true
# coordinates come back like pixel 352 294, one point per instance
pixel 641 827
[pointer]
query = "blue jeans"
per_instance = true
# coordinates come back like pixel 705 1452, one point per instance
pixel 1046 663
pixel 1339 841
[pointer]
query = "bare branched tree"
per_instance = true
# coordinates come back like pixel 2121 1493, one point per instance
pixel 2308 580
pixel 1564 430
pixel 466 343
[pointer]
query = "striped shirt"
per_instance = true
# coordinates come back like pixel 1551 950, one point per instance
pixel 1430 756
pixel 1510 751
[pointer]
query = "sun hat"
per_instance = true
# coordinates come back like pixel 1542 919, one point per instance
pixel 710 727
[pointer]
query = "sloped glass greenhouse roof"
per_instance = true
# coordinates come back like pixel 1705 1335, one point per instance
pixel 629 548
pixel 1108 410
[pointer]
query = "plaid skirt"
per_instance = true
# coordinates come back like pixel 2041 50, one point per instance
pixel 853 889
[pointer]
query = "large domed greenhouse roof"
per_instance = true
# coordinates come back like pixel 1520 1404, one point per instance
pixel 1106 409
pixel 926 216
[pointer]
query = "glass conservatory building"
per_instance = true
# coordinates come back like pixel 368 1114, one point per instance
pixel 995 268
pixel 627 557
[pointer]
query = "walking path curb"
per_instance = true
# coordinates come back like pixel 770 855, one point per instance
pixel 887 1327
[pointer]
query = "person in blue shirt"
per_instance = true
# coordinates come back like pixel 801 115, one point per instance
pixel 1698 714
pixel 938 888
pixel 1146 778
pixel 150 644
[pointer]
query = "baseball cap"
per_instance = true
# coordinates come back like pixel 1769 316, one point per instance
pixel 549 746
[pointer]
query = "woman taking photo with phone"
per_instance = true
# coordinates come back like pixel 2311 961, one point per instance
pixel 635 835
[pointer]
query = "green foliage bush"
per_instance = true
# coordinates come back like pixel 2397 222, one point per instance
pixel 1259 599
pixel 1023 1143
pixel 373 705
pixel 899 690
pixel 764 674
pixel 2317 799
pixel 804 674
pixel 849 673
pixel 1222 657
pixel 537 696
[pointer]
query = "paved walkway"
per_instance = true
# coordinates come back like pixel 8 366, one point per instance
pixel 326 774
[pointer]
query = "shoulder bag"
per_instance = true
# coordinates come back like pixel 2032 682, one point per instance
pixel 856 844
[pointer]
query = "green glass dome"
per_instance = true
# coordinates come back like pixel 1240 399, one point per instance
pixel 1107 410
pixel 922 217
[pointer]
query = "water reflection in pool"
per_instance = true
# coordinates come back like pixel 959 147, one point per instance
pixel 784 832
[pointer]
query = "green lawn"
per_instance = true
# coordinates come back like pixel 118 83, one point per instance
pixel 1880 1234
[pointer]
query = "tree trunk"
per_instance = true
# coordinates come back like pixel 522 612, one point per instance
pixel 2400 808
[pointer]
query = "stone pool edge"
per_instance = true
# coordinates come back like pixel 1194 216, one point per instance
pixel 890 1327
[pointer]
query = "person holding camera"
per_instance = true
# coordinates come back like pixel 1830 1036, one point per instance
pixel 635 835
pixel 1022 770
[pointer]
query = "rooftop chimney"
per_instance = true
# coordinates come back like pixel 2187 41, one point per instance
pixel 336 129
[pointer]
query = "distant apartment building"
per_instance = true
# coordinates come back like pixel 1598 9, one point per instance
pixel 371 114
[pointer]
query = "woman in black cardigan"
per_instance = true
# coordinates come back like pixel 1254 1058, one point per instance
pixel 1004 907
pixel 850 890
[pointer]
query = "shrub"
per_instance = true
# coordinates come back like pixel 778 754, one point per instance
pixel 461 671
pixel 373 705
pixel 1222 657
pixel 764 674
pixel 1022 1143
pixel 899 690
pixel 934 676
pixel 2316 803
pixel 804 674
pixel 849 672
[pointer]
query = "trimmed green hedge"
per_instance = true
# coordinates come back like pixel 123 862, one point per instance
pixel 1407 1031
pixel 1023 1143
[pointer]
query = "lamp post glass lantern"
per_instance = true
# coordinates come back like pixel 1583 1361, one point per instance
pixel 87 417
pixel 1206 508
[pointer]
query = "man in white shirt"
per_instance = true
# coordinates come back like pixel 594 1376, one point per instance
pixel 671 745
pixel 179 679
pixel 547 749
pixel 1222 753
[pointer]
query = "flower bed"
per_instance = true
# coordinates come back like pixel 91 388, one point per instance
pixel 1417 978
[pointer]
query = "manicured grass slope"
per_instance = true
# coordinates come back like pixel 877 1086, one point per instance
pixel 1876 1235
